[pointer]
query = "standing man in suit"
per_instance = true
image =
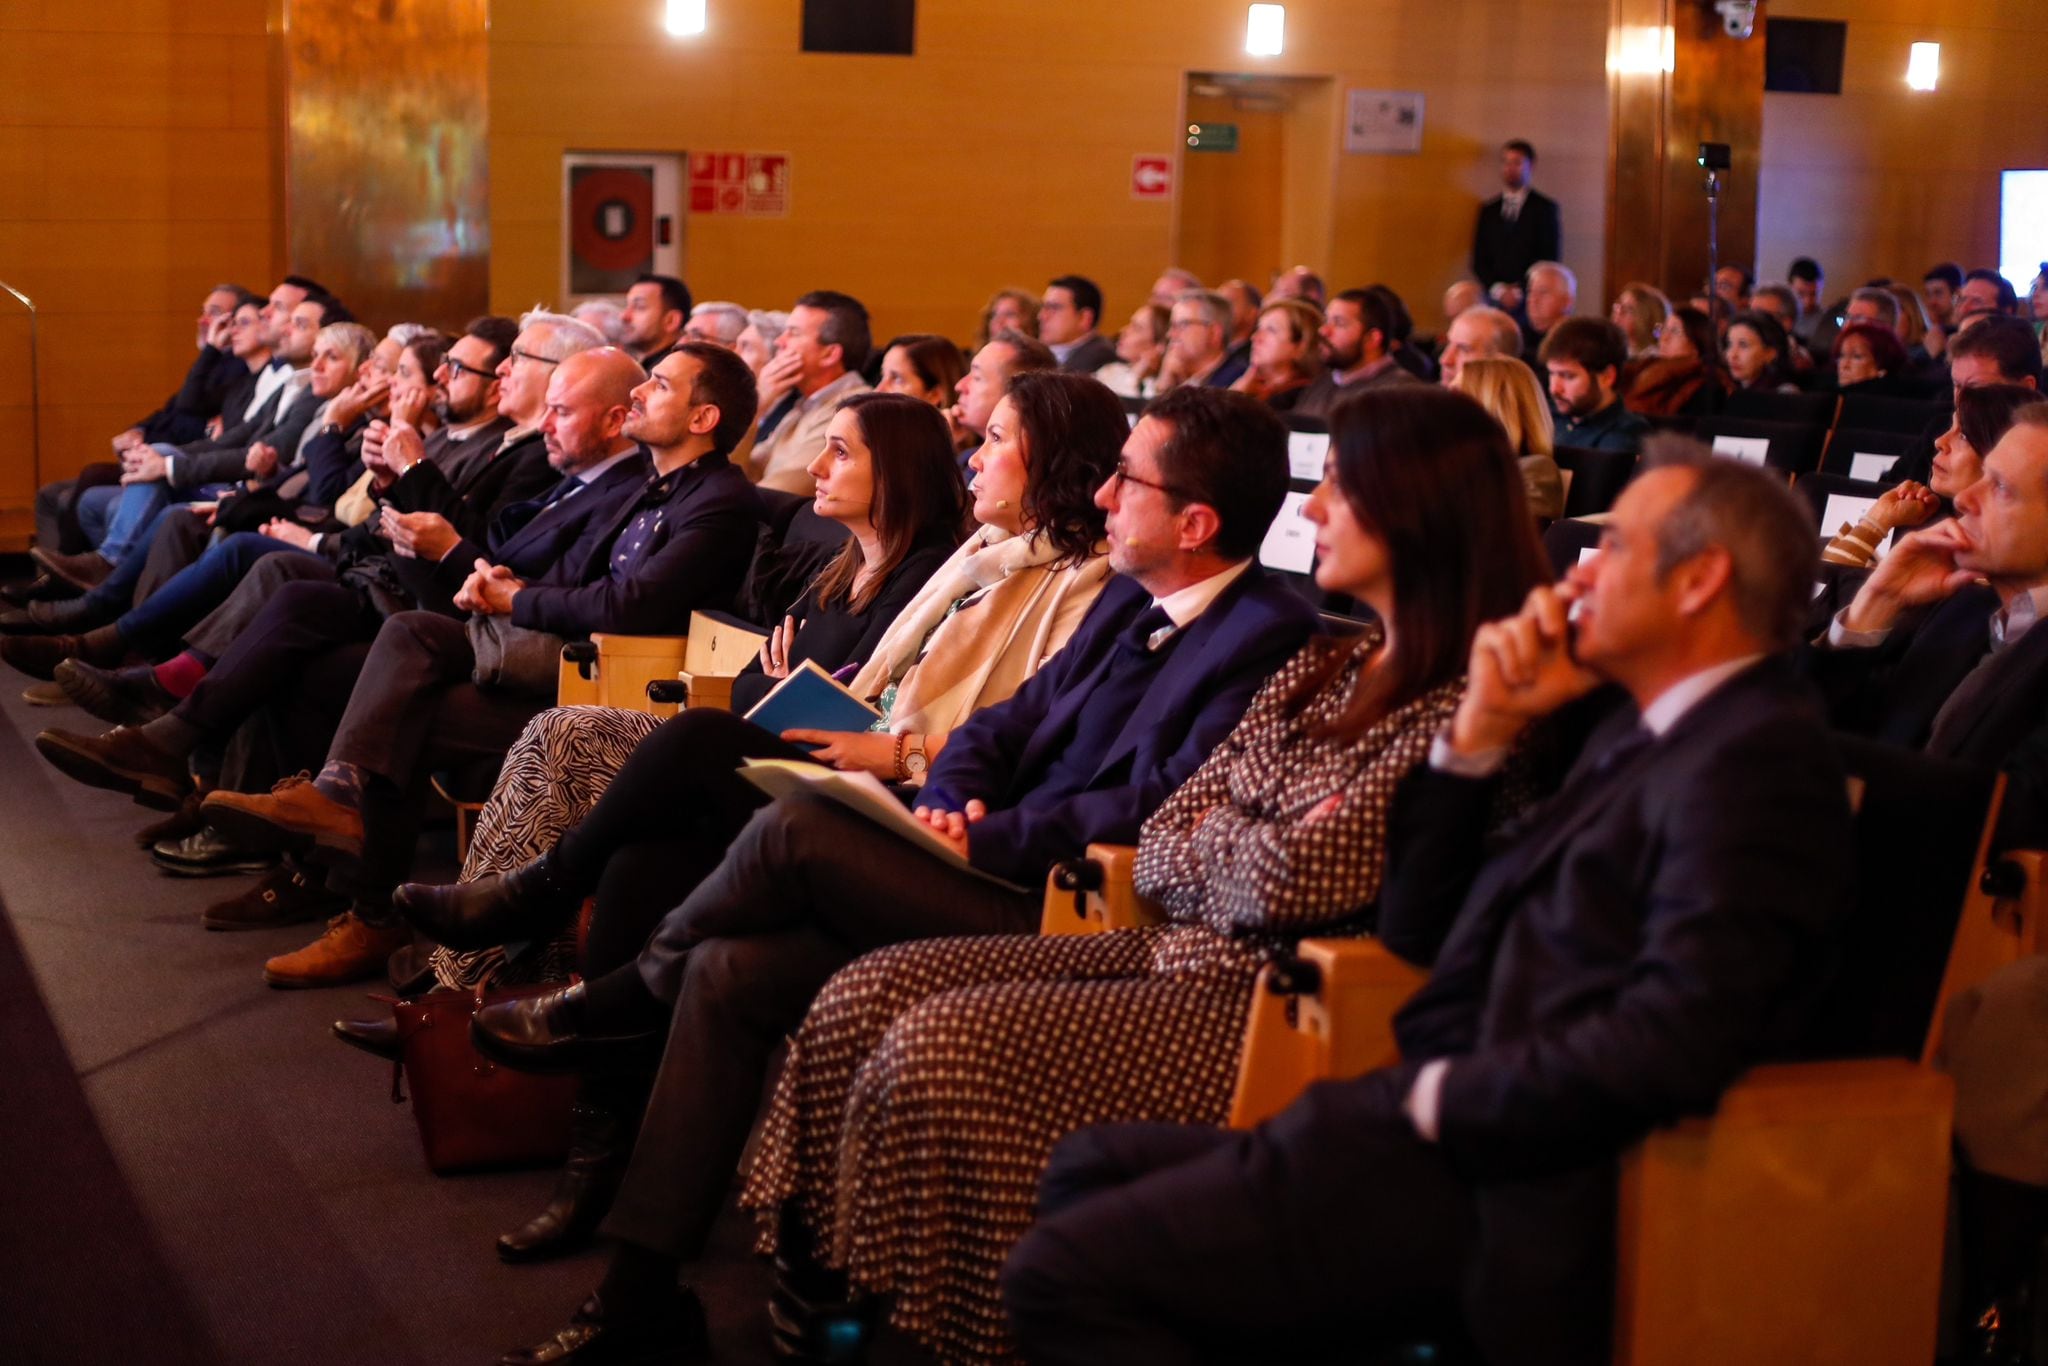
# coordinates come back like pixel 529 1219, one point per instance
pixel 1926 655
pixel 1517 228
pixel 1157 675
pixel 1634 945
pixel 1068 316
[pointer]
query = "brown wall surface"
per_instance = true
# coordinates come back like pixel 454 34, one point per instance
pixel 1882 180
pixel 1001 153
pixel 135 172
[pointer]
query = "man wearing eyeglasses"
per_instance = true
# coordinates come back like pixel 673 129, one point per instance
pixel 1159 672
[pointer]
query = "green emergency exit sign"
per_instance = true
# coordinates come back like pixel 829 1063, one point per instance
pixel 1212 137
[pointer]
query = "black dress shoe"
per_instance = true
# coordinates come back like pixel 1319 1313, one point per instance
pixel 545 1033
pixel 497 908
pixel 86 570
pixel 50 618
pixel 285 896
pixel 38 656
pixel 203 853
pixel 121 760
pixel 186 820
pixel 672 1331
pixel 378 1038
pixel 125 697
pixel 601 1126
pixel 44 587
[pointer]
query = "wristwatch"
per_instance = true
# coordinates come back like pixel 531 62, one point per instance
pixel 910 760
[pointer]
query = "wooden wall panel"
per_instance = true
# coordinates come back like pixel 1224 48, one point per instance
pixel 1882 180
pixel 1001 153
pixel 134 175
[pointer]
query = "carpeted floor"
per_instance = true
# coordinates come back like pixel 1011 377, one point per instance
pixel 266 1160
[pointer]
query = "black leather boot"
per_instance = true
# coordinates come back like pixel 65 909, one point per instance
pixel 530 902
pixel 602 1122
pixel 814 1314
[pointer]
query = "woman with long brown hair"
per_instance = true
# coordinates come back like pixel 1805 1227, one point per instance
pixel 929 1081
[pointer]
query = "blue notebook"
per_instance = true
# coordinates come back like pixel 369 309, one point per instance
pixel 811 699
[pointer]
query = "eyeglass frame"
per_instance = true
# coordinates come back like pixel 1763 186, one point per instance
pixel 517 354
pixel 1122 474
pixel 463 369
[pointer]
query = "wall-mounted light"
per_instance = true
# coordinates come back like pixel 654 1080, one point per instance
pixel 1923 67
pixel 684 18
pixel 1265 30
pixel 1643 50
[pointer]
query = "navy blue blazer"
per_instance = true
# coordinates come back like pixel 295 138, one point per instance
pixel 1200 693
pixel 529 537
pixel 1659 926
pixel 694 558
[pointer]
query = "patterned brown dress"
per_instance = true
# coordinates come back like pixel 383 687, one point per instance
pixel 929 1082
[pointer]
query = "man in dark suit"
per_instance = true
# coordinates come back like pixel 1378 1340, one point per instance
pixel 1068 318
pixel 1940 649
pixel 1632 946
pixel 1516 228
pixel 1156 676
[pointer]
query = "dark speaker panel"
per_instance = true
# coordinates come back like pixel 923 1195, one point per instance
pixel 887 27
pixel 1804 56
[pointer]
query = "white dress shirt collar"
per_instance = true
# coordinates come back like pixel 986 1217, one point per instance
pixel 1681 697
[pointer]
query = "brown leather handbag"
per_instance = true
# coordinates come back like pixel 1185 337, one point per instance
pixel 472 1113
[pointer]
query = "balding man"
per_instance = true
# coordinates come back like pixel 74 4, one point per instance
pixel 1477 333
pixel 681 545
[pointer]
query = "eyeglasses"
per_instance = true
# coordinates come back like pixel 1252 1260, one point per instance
pixel 517 354
pixel 1124 476
pixel 458 368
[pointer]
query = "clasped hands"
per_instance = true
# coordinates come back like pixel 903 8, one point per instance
pixel 489 590
pixel 952 826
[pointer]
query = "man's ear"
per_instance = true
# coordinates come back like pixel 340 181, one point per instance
pixel 1702 579
pixel 1198 526
pixel 704 419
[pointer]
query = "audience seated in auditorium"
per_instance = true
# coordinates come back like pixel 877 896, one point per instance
pixel 1639 311
pixel 656 312
pixel 716 321
pixel 1005 356
pixel 1732 286
pixel 818 361
pixel 1299 282
pixel 1285 354
pixel 1478 331
pixel 1583 358
pixel 216 377
pixel 1686 379
pixel 1198 343
pixel 1780 303
pixel 1357 352
pixel 1553 292
pixel 1140 351
pixel 1085 751
pixel 1460 297
pixel 1008 310
pixel 1245 303
pixel 1757 352
pixel 1027 577
pixel 1938 650
pixel 1513 397
pixel 1172 283
pixel 1938 289
pixel 1806 280
pixel 1987 349
pixel 1069 314
pixel 1870 359
pixel 1983 412
pixel 1641 940
pixel 912 1117
pixel 928 368
pixel 1984 291
pixel 757 342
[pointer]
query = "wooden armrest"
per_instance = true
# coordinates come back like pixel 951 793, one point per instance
pixel 1329 1014
pixel 619 675
pixel 720 646
pixel 708 689
pixel 1813 1184
pixel 1095 894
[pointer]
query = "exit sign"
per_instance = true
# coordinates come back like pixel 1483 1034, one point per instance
pixel 1212 137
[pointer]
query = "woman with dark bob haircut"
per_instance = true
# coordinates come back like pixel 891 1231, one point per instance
pixel 636 811
pixel 930 1081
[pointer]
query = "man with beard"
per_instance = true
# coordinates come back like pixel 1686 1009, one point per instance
pixel 1357 352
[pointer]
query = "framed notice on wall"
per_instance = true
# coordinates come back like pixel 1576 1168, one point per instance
pixel 1383 121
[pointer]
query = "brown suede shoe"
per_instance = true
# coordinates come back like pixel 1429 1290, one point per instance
pixel 85 571
pixel 290 817
pixel 350 951
pixel 122 760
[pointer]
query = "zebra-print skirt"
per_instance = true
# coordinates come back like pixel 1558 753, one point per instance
pixel 552 777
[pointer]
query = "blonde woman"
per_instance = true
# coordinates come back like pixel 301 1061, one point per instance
pixel 1508 390
pixel 1639 310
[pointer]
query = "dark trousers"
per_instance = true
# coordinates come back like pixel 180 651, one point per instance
pixel 175 608
pixel 807 887
pixel 1328 1232
pixel 415 710
pixel 301 622
pixel 663 824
